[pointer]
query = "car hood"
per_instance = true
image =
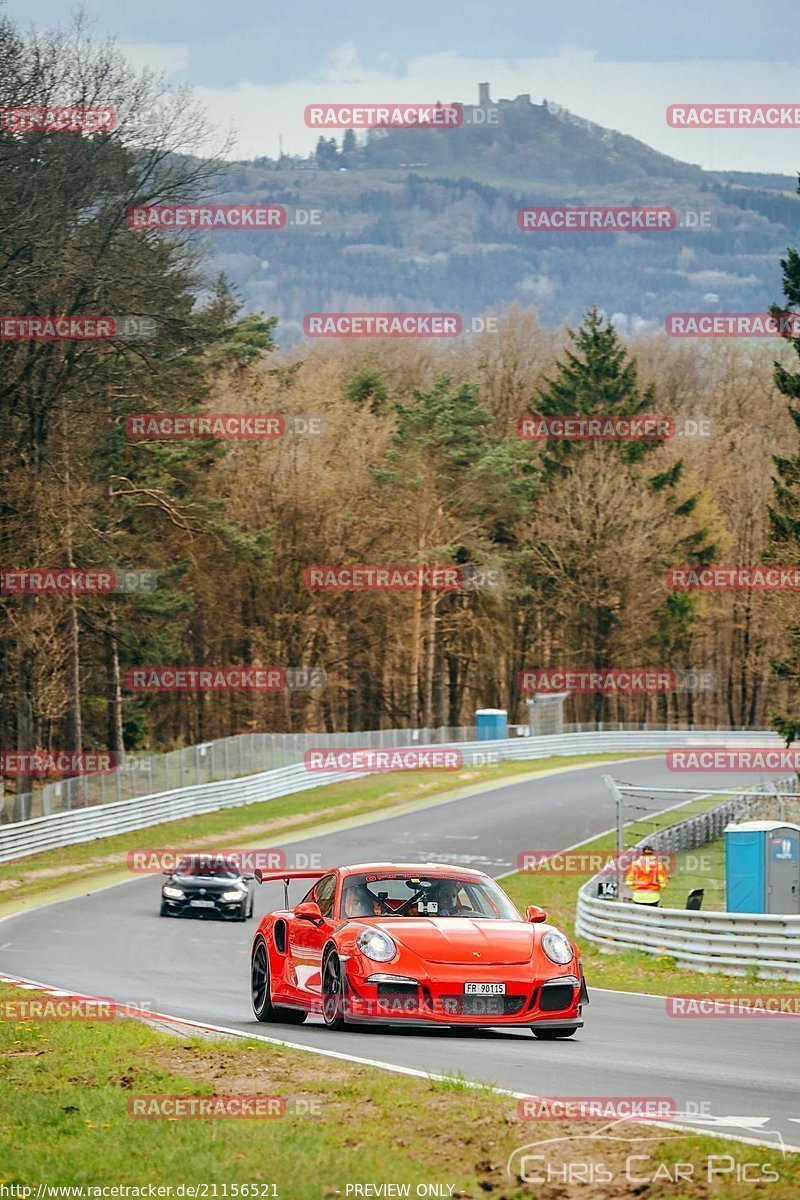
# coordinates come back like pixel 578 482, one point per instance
pixel 211 883
pixel 462 940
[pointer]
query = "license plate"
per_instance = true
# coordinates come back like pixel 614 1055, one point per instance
pixel 484 989
pixel 202 904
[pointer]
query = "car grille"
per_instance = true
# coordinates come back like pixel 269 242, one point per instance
pixel 482 1006
pixel 398 997
pixel 556 997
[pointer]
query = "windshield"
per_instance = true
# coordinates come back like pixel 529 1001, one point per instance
pixel 219 868
pixel 403 894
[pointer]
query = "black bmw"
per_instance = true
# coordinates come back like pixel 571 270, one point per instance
pixel 208 886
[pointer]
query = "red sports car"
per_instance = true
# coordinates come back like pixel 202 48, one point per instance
pixel 414 943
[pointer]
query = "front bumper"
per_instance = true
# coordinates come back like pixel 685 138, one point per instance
pixel 220 908
pixel 551 1002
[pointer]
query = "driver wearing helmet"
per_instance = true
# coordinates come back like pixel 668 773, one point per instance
pixel 360 902
pixel 447 899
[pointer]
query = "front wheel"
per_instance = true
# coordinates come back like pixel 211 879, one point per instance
pixel 263 1007
pixel 333 991
pixel 558 1031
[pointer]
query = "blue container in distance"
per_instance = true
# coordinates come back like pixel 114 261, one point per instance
pixel 490 724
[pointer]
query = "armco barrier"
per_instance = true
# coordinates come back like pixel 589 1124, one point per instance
pixel 24 838
pixel 731 942
pixel 707 941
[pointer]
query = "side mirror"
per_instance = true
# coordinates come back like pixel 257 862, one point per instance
pixel 248 876
pixel 309 912
pixel 534 914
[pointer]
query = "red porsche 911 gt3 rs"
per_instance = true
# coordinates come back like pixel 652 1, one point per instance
pixel 414 943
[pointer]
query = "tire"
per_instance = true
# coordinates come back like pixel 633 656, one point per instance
pixel 333 988
pixel 242 912
pixel 263 1007
pixel 550 1035
pixel 250 911
pixel 164 911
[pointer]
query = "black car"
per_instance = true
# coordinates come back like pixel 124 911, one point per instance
pixel 208 886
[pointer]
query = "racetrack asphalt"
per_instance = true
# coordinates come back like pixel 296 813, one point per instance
pixel 726 1075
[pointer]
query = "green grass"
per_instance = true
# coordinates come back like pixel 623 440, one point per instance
pixel 65 1088
pixel 633 970
pixel 44 876
pixel 702 868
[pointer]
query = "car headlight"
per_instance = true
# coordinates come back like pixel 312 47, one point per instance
pixel 174 893
pixel 234 895
pixel 557 947
pixel 376 944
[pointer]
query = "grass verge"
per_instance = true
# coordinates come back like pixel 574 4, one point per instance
pixel 633 970
pixel 103 861
pixel 66 1089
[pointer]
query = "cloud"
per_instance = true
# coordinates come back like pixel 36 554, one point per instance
pixel 169 57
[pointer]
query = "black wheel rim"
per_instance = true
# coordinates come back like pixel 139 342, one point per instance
pixel 331 989
pixel 260 979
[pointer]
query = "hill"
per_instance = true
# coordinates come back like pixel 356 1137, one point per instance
pixel 426 219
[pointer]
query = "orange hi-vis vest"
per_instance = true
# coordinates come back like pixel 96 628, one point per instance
pixel 647 878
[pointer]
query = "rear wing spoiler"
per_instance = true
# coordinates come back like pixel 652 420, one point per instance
pixel 272 876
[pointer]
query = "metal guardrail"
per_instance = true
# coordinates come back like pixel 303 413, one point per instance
pixel 731 942
pixel 23 838
pixel 735 943
pixel 145 774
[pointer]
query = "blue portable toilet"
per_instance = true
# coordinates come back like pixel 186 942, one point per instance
pixel 490 724
pixel 762 867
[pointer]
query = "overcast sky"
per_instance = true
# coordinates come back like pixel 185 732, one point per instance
pixel 256 64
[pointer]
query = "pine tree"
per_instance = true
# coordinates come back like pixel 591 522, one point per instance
pixel 598 378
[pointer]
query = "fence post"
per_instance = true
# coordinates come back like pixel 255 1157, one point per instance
pixel 615 792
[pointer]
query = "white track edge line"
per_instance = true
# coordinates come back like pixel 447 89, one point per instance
pixel 398 1069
